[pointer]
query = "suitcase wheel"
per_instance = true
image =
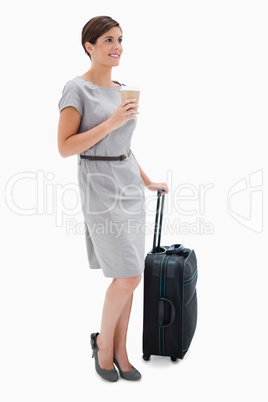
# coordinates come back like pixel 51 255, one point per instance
pixel 146 357
pixel 173 359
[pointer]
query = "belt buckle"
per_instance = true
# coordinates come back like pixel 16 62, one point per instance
pixel 125 157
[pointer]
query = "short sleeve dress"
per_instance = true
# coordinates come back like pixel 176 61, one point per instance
pixel 112 192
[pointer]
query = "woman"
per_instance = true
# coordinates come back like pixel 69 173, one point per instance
pixel 97 126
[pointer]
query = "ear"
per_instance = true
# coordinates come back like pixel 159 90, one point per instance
pixel 89 47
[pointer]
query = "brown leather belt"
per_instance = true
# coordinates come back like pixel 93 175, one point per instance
pixel 106 158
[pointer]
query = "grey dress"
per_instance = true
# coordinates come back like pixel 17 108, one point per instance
pixel 112 192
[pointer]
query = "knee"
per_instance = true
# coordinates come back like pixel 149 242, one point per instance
pixel 134 281
pixel 130 284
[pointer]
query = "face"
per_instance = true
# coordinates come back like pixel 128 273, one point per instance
pixel 108 48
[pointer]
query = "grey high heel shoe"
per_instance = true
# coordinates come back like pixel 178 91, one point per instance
pixel 132 375
pixel 109 375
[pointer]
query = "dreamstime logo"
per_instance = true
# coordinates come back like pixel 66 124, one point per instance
pixel 37 193
pixel 245 201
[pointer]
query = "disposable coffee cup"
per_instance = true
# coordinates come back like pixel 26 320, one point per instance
pixel 130 93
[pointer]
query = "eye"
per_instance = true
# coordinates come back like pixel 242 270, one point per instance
pixel 110 39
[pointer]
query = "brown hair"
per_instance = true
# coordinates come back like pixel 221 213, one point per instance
pixel 95 28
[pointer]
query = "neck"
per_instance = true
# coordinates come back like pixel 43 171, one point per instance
pixel 100 75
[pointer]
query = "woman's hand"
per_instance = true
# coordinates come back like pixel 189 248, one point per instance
pixel 123 113
pixel 158 186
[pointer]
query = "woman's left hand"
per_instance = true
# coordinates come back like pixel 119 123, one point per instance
pixel 158 186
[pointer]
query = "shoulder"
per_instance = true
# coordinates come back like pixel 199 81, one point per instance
pixel 72 95
pixel 73 84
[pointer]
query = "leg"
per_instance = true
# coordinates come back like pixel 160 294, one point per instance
pixel 120 337
pixel 117 297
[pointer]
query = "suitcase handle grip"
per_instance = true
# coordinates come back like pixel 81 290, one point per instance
pixel 175 249
pixel 161 312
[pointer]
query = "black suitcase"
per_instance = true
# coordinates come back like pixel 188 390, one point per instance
pixel 170 300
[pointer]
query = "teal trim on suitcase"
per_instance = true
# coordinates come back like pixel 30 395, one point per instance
pixel 163 339
pixel 159 341
pixel 164 295
pixel 191 280
pixel 160 292
pixel 163 288
pixel 165 275
pixel 186 280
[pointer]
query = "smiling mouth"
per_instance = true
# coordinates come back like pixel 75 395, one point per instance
pixel 115 56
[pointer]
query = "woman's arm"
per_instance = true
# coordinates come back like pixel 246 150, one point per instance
pixel 144 176
pixel 69 141
pixel 72 143
pixel 151 185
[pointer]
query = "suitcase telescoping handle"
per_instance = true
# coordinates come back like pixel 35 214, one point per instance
pixel 159 193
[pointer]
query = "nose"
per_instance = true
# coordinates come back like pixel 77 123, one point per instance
pixel 118 46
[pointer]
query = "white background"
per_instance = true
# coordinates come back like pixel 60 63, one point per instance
pixel 202 68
